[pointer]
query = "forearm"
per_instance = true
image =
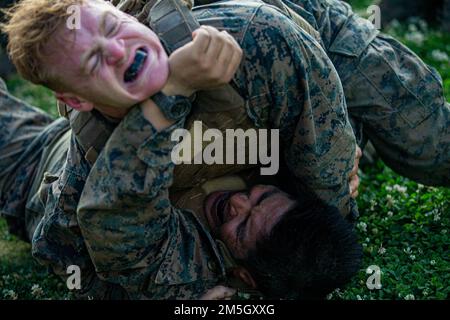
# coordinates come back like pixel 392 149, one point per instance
pixel 125 198
pixel 154 115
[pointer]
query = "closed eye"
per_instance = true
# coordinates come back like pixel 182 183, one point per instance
pixel 94 61
pixel 112 29
pixel 110 24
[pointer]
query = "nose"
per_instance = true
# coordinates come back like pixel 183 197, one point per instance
pixel 114 51
pixel 240 204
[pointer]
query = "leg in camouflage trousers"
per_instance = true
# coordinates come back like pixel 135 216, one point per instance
pixel 25 131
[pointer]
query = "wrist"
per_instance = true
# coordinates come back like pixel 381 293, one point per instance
pixel 171 89
pixel 154 115
pixel 174 107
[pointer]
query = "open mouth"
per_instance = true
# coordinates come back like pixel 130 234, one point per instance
pixel 135 68
pixel 217 208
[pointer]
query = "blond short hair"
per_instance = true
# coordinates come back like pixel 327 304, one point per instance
pixel 30 26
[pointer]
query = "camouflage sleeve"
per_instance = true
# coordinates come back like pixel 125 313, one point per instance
pixel 124 212
pixel 301 94
pixel 57 241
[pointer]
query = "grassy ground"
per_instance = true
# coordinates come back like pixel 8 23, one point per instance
pixel 403 225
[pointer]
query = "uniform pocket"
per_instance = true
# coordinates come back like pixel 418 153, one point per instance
pixel 354 37
pixel 410 88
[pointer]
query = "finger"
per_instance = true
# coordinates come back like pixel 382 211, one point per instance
pixel 201 41
pixel 219 293
pixel 233 65
pixel 354 184
pixel 216 45
pixel 232 39
pixel 228 292
pixel 354 171
pixel 225 290
pixel 356 164
pixel 233 60
pixel 355 192
pixel 358 152
pixel 226 56
pixel 196 31
pixel 228 59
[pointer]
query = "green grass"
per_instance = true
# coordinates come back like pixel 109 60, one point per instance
pixel 36 95
pixel 403 225
pixel 20 276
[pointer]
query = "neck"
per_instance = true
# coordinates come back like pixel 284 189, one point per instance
pixel 114 113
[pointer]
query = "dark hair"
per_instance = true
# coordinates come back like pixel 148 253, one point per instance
pixel 310 252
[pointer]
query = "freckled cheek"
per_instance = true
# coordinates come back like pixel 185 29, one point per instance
pixel 110 78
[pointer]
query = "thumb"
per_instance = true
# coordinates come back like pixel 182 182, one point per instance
pixel 194 34
pixel 201 29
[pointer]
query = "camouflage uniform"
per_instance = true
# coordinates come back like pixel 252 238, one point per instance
pixel 116 217
pixel 128 196
pixel 393 97
pixel 26 134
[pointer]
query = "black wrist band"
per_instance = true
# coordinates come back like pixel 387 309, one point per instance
pixel 173 107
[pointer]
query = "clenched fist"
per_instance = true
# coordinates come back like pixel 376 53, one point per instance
pixel 208 62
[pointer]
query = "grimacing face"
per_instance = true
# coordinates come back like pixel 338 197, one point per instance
pixel 240 219
pixel 112 61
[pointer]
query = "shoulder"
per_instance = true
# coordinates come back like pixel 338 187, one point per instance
pixel 238 17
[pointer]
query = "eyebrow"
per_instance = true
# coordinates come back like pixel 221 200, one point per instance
pixel 102 26
pixel 241 227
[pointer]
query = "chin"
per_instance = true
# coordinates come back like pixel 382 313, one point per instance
pixel 156 84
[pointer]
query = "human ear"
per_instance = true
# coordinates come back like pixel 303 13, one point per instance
pixel 244 275
pixel 74 101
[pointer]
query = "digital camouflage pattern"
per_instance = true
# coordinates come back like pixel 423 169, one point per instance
pixel 393 98
pixel 128 195
pixel 302 96
pixel 289 83
pixel 26 133
pixel 135 237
